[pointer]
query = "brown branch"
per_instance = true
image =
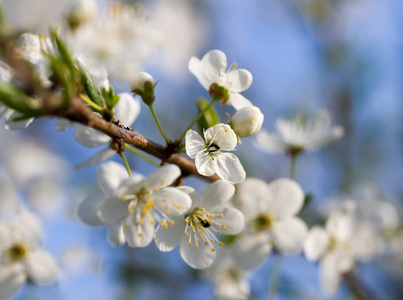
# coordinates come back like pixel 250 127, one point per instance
pixel 77 111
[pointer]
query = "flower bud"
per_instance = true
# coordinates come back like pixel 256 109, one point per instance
pixel 142 84
pixel 247 121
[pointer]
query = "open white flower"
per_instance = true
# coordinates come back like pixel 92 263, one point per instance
pixel 299 134
pixel 111 40
pixel 21 260
pixel 132 205
pixel 126 111
pixel 212 69
pixel 270 213
pixel 338 246
pixel 208 155
pixel 209 217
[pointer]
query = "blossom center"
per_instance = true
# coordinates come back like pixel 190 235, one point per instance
pixel 17 252
pixel 213 148
pixel 262 222
pixel 141 199
pixel 203 226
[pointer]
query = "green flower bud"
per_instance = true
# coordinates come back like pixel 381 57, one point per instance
pixel 143 85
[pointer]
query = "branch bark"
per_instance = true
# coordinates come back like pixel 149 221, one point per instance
pixel 77 111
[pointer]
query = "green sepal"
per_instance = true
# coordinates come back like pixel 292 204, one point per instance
pixel 110 97
pixel 210 117
pixel 307 200
pixel 90 88
pixel 63 51
pixel 16 99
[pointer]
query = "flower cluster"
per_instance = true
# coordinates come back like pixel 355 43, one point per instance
pixel 65 76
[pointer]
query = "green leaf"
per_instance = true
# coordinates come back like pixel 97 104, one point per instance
pixel 16 99
pixel 210 117
pixel 64 52
pixel 90 88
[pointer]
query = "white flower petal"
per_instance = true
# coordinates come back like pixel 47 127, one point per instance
pixel 289 235
pixel 270 142
pixel 11 279
pixel 192 193
pixel 216 195
pixel 17 125
pixel 238 101
pixel 329 275
pixel 4 110
pixel 130 186
pixel 139 235
pixel 97 158
pixel 164 176
pixel 201 258
pixel 31 223
pixel 63 124
pixel 233 220
pixel 112 210
pixel 327 137
pixel 205 165
pixel 340 225
pixel 194 143
pixel 173 200
pixel 41 267
pixel 223 136
pixel 195 67
pixel 115 234
pixel 127 109
pixel 213 61
pixel 287 197
pixel 110 175
pixel 388 216
pixel 365 241
pixel 240 79
pixel 229 168
pixel 252 197
pixel 316 243
pixel 167 238
pixel 89 137
pixel 87 211
pixel 251 250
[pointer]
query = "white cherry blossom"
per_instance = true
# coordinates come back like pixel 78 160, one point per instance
pixel 126 111
pixel 270 213
pixel 198 232
pixel 132 205
pixel 209 156
pixel 111 40
pixel 212 68
pixel 299 134
pixel 338 246
pixel 21 259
